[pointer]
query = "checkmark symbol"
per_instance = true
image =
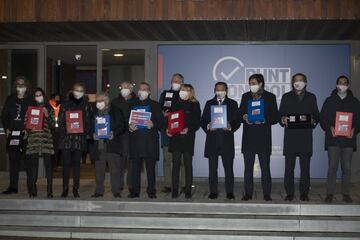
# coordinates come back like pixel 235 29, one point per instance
pixel 228 76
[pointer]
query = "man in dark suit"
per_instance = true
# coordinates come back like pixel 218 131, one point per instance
pixel 144 142
pixel 220 142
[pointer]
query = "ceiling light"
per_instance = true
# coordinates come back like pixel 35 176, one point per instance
pixel 118 55
pixel 105 49
pixel 4 77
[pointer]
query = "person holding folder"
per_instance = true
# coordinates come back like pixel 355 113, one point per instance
pixel 220 120
pixel 299 116
pixel 144 139
pixel 340 139
pixel 182 144
pixel 108 125
pixel 258 112
pixel 75 118
pixel 167 100
pixel 40 144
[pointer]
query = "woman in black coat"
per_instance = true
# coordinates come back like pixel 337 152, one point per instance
pixel 182 144
pixel 256 137
pixel 340 148
pixel 220 142
pixel 298 101
pixel 144 142
pixel 73 145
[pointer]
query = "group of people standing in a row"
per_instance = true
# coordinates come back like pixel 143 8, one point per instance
pixel 130 145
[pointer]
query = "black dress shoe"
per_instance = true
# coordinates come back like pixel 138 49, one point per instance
pixel 213 196
pixel 175 194
pixel 152 195
pixel 97 195
pixel 76 194
pixel 10 191
pixel 304 197
pixel 64 194
pixel 188 194
pixel 50 195
pixel 329 198
pixel 183 189
pixel 246 197
pixel 134 195
pixel 166 190
pixel 267 198
pixel 117 195
pixel 347 198
pixel 230 196
pixel 289 197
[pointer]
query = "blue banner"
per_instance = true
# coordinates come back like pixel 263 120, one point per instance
pixel 204 65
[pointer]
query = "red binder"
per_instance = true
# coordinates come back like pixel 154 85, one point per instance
pixel 34 118
pixel 176 122
pixel 343 124
pixel 74 122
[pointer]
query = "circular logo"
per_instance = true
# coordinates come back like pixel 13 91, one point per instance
pixel 230 72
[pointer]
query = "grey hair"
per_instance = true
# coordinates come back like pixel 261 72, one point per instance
pixel 105 95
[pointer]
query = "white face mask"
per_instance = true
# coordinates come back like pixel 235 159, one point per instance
pixel 183 94
pixel 254 88
pixel 100 105
pixel 175 86
pixel 39 99
pixel 342 88
pixel 125 92
pixel 299 85
pixel 78 94
pixel 20 90
pixel 143 95
pixel 220 94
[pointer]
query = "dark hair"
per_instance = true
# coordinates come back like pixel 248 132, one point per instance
pixel 42 92
pixel 342 76
pixel 298 74
pixel 179 75
pixel 221 83
pixel 259 78
pixel 79 84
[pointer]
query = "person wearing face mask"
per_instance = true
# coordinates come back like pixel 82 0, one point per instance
pixel 13 120
pixel 256 139
pixel 182 145
pixel 298 101
pixel 144 142
pixel 122 103
pixel 40 144
pixel 109 150
pixel 72 145
pixel 340 148
pixel 220 142
pixel 168 98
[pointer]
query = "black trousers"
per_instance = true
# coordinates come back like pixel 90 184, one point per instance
pixel 249 160
pixel 290 161
pixel 187 158
pixel 71 158
pixel 32 166
pixel 228 163
pixel 136 174
pixel 14 168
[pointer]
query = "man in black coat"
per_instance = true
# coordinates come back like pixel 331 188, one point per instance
pixel 298 142
pixel 144 142
pixel 168 99
pixel 122 103
pixel 256 137
pixel 13 120
pixel 340 148
pixel 220 142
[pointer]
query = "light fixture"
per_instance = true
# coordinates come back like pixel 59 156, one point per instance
pixel 4 77
pixel 105 49
pixel 108 85
pixel 78 57
pixel 118 54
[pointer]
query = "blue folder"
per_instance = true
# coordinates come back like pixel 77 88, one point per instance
pixel 256 111
pixel 218 116
pixel 103 126
pixel 144 108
